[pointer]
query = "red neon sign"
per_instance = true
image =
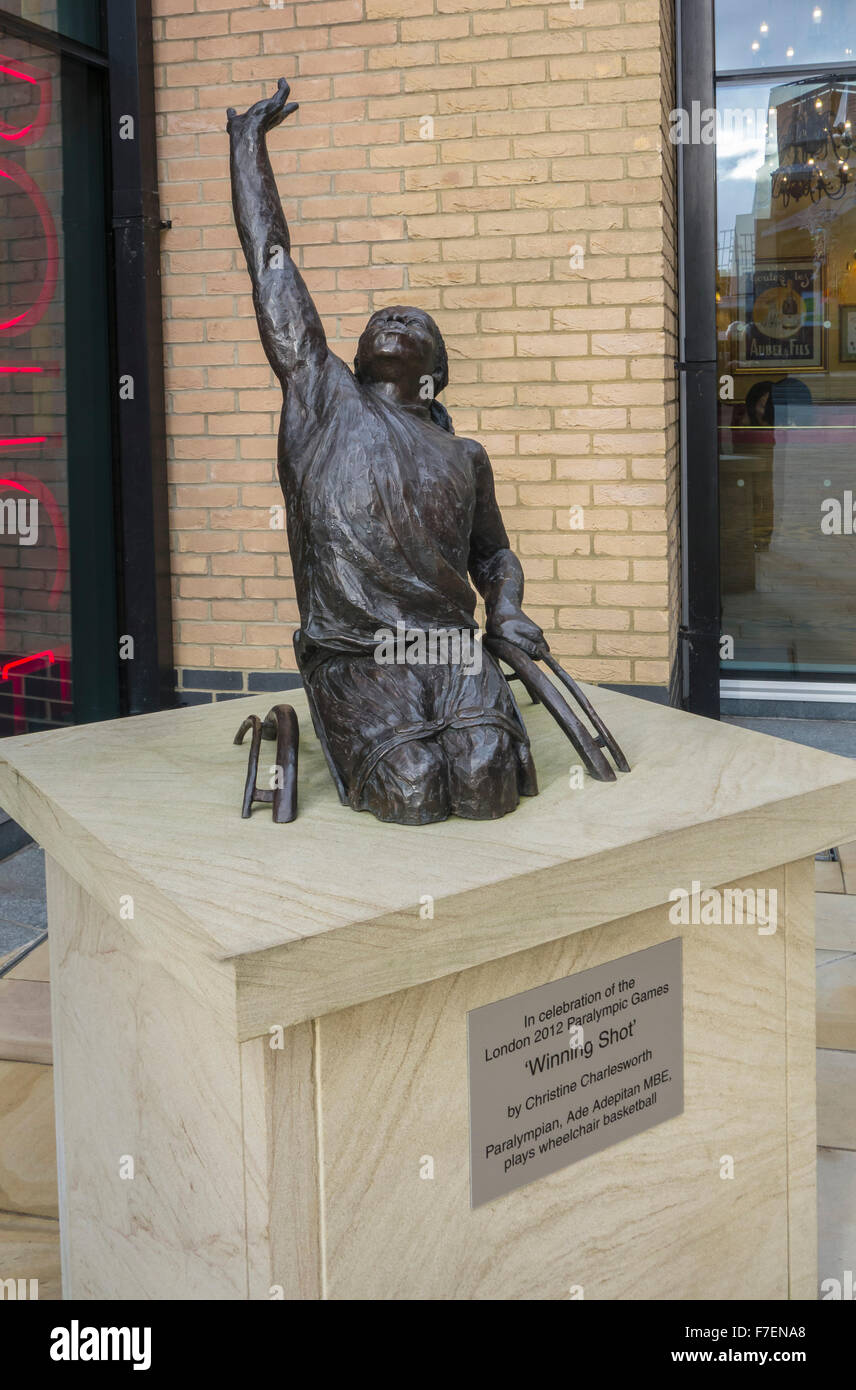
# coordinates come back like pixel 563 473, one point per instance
pixel 25 661
pixel 12 673
pixel 21 323
pixel 36 77
pixel 23 134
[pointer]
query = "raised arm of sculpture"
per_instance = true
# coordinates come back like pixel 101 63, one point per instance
pixel 289 326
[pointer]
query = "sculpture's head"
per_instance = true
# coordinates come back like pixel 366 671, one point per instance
pixel 404 347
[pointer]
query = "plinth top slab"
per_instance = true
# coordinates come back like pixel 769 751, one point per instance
pixel 149 807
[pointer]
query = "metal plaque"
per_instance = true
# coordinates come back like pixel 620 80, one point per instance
pixel 562 1071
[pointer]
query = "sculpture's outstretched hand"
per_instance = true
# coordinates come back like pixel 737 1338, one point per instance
pixel 266 114
pixel 290 329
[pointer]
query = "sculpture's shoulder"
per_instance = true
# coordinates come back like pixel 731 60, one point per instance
pixel 475 452
pixel 311 405
pixel 334 381
pixel 339 372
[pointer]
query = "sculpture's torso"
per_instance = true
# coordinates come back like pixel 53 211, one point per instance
pixel 380 508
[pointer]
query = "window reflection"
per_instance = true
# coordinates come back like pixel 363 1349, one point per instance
pixel 35 616
pixel 786 326
pixel 787 33
pixel 79 20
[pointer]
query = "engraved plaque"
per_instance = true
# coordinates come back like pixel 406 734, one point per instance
pixel 562 1071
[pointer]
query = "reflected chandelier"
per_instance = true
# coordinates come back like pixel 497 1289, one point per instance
pixel 811 141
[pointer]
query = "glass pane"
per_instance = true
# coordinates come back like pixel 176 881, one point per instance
pixel 786 325
pixel 784 33
pixel 76 19
pixel 35 617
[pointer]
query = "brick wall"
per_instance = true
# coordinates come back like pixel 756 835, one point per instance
pixel 451 154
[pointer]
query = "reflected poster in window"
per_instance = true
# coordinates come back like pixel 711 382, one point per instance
pixel 782 318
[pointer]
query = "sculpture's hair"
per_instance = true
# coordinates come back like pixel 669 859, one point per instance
pixel 441 417
pixel 440 375
pixel 439 413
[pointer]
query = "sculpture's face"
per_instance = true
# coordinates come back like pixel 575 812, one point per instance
pixel 397 344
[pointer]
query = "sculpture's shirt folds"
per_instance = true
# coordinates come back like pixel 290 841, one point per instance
pixel 380 506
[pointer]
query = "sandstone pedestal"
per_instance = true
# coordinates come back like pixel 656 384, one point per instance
pixel 260 1031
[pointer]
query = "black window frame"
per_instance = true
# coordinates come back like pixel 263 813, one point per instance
pixel 701 605
pixel 140 513
pixel 699 637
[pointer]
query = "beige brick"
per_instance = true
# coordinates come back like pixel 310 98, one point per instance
pixel 207 587
pixel 396 9
pixel 651 672
pixel 593 419
pixel 630 545
pixel 590 468
pixel 651 571
pixel 506 21
pixel 592 567
pixel 545 41
pixel 516 71
pixel 602 670
pixel 476 50
pixel 556 593
pixel 631 644
pixel 238 657
pixel 606 618
pixel 553 393
pixel 434 26
pixel 650 620
pixel 339 11
pixel 629 494
pixel 632 595
pixel 242 564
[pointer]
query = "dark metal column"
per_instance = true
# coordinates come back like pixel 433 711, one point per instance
pixel 699 634
pixel 89 388
pixel 142 515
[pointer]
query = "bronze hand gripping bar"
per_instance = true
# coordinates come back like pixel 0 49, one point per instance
pixel 590 747
pixel 280 724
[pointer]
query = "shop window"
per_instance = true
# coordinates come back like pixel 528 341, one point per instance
pixel 786 328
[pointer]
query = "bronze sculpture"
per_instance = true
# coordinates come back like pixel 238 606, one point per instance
pixel 388 511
